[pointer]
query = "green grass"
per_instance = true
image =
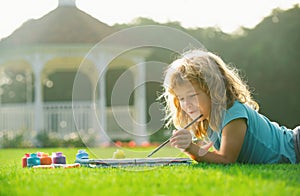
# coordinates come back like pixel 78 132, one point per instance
pixel 196 179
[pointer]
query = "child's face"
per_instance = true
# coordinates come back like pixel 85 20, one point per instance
pixel 193 100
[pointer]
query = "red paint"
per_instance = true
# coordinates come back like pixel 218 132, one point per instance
pixel 24 160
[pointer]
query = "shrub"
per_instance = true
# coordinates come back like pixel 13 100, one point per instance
pixel 73 139
pixel 12 139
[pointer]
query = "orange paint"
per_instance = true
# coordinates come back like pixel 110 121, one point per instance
pixel 45 159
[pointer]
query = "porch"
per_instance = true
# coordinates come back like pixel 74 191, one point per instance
pixel 65 120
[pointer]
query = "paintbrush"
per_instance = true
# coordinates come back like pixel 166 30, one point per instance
pixel 167 141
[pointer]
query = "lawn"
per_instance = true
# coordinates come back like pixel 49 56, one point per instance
pixel 195 179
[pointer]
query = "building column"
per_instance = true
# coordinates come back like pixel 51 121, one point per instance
pixel 140 102
pixel 38 63
pixel 102 108
pixel 101 125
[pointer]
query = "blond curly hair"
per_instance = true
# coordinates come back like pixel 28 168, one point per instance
pixel 219 81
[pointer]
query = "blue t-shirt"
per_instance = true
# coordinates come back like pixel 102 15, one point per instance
pixel 264 142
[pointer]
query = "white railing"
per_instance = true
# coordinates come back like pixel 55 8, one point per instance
pixel 16 117
pixel 58 118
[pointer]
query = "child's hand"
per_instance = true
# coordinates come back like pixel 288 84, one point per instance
pixel 181 139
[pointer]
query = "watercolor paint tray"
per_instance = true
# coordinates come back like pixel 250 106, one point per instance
pixel 133 162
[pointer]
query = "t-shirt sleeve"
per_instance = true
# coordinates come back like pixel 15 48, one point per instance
pixel 238 110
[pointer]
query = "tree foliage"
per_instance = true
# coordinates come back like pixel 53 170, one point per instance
pixel 268 57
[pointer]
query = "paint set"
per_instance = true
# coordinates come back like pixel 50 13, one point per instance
pixel 43 160
pixel 58 160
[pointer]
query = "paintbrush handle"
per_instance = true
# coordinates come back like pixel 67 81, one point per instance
pixel 159 147
pixel 167 141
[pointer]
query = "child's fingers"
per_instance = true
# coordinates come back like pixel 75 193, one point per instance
pixel 179 132
pixel 181 139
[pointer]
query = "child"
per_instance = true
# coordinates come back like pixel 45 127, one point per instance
pixel 201 83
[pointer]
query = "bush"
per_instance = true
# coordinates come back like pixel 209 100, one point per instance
pixel 73 139
pixel 14 140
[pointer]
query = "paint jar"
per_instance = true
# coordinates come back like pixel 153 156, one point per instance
pixel 58 158
pixel 39 154
pixel 82 154
pixel 45 159
pixel 33 160
pixel 24 160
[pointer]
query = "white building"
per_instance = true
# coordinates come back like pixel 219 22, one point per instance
pixel 39 63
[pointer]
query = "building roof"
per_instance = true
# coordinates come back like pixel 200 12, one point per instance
pixel 65 24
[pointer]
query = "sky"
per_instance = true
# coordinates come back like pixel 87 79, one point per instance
pixel 228 15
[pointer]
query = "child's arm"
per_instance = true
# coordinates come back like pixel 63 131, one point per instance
pixel 232 140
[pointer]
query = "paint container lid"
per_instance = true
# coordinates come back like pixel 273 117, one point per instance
pixel 82 154
pixel 33 155
pixel 57 154
pixel 44 154
pixel 27 155
pixel 39 154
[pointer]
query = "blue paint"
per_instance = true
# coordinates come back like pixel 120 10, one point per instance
pixel 33 160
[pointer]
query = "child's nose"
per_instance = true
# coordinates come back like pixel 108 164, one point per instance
pixel 188 103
